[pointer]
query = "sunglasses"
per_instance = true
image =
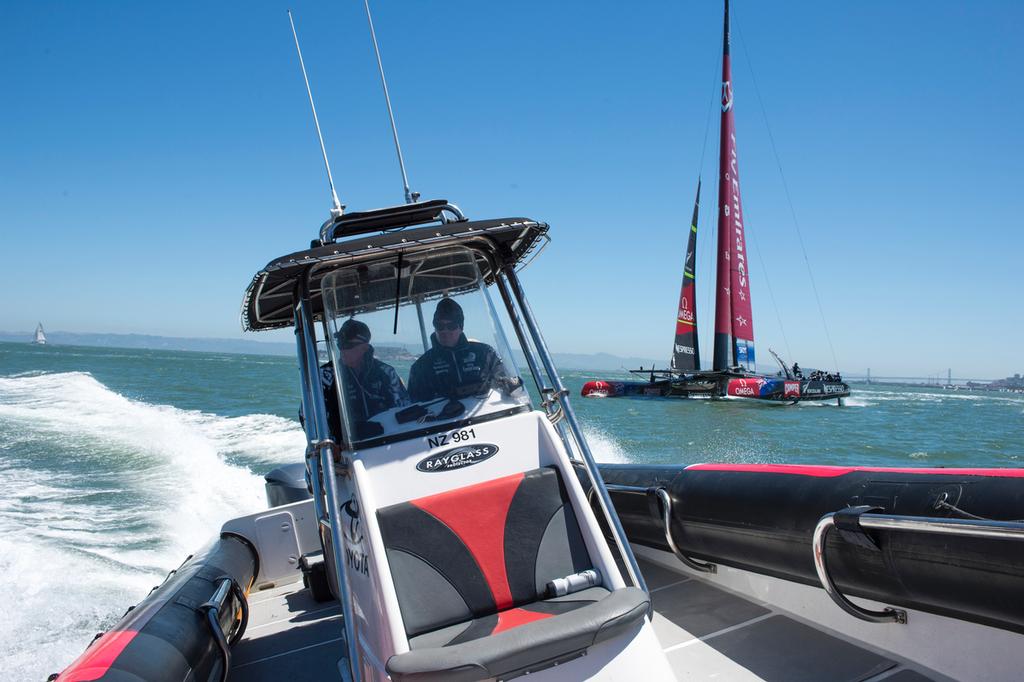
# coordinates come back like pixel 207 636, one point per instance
pixel 443 326
pixel 349 345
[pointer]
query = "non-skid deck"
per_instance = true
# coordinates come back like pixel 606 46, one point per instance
pixel 707 633
pixel 290 637
pixel 711 634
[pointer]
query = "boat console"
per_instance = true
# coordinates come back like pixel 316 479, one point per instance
pixel 444 485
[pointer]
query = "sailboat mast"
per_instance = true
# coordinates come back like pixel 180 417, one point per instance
pixel 685 351
pixel 734 326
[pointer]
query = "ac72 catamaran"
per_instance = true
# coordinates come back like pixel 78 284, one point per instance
pixel 734 372
pixel 465 532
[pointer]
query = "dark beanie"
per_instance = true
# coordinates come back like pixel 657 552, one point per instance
pixel 447 309
pixel 353 330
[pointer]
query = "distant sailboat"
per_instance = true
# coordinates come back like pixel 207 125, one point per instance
pixel 734 372
pixel 40 337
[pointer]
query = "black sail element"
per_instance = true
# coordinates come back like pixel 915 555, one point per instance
pixel 685 352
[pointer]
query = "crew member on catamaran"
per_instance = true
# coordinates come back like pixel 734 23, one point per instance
pixel 455 367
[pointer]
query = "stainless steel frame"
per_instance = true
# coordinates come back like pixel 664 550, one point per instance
pixel 328 231
pixel 538 378
pixel 666 519
pixel 560 395
pixel 226 588
pixel 886 615
pixel 320 457
pixel 1003 530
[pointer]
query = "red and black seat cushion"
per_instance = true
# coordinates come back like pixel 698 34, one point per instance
pixel 474 561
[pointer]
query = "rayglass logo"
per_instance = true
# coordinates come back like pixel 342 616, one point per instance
pixel 458 458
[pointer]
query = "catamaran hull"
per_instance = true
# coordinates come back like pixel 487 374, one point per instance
pixel 762 518
pixel 785 390
pixel 774 389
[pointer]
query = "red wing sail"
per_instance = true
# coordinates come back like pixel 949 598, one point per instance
pixel 685 352
pixel 734 325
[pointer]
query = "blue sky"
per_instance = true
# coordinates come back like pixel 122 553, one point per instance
pixel 154 157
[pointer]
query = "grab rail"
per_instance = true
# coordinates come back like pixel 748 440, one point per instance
pixel 226 587
pixel 572 426
pixel 666 518
pixel 863 519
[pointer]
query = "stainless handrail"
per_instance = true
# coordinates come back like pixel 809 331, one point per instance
pixel 328 231
pixel 618 533
pixel 666 519
pixel 226 587
pixel 318 433
pixel 1003 530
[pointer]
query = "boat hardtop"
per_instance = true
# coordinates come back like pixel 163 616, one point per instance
pixel 372 235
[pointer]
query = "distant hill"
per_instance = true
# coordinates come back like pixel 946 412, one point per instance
pixel 157 342
pixel 593 361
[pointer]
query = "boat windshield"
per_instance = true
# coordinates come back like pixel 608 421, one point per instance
pixel 417 346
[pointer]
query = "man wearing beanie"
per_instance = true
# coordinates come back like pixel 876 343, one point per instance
pixel 454 367
pixel 370 386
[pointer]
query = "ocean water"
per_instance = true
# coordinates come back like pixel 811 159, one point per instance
pixel 116 464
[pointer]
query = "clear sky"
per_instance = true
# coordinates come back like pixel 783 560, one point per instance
pixel 154 157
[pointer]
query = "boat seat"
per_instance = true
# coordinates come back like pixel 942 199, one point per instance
pixel 470 568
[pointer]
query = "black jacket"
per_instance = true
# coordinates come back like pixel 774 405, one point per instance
pixel 368 392
pixel 468 368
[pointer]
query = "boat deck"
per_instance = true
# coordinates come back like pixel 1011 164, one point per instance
pixel 707 632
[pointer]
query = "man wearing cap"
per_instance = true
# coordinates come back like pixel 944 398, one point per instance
pixel 454 367
pixel 370 386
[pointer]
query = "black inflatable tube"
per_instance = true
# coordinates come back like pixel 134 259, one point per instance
pixel 167 636
pixel 763 521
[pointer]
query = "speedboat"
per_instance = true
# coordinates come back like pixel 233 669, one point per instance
pixel 471 535
pixel 449 533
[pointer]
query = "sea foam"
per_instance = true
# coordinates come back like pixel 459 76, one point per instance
pixel 102 496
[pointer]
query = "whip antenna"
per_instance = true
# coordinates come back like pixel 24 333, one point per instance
pixel 337 208
pixel 410 196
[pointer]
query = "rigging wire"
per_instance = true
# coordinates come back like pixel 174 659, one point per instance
pixel 789 200
pixel 711 246
pixel 771 294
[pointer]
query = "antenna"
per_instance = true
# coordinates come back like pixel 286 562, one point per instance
pixel 337 208
pixel 410 196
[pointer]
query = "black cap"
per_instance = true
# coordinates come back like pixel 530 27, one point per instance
pixel 447 309
pixel 353 331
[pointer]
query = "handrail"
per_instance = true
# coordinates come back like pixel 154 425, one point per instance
pixel 226 587
pixel 390 218
pixel 886 615
pixel 321 460
pixel 573 426
pixel 666 517
pixel 1002 530
pixel 665 501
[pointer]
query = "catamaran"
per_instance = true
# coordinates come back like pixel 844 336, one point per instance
pixel 460 529
pixel 734 372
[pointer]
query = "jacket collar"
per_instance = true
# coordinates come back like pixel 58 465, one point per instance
pixel 462 343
